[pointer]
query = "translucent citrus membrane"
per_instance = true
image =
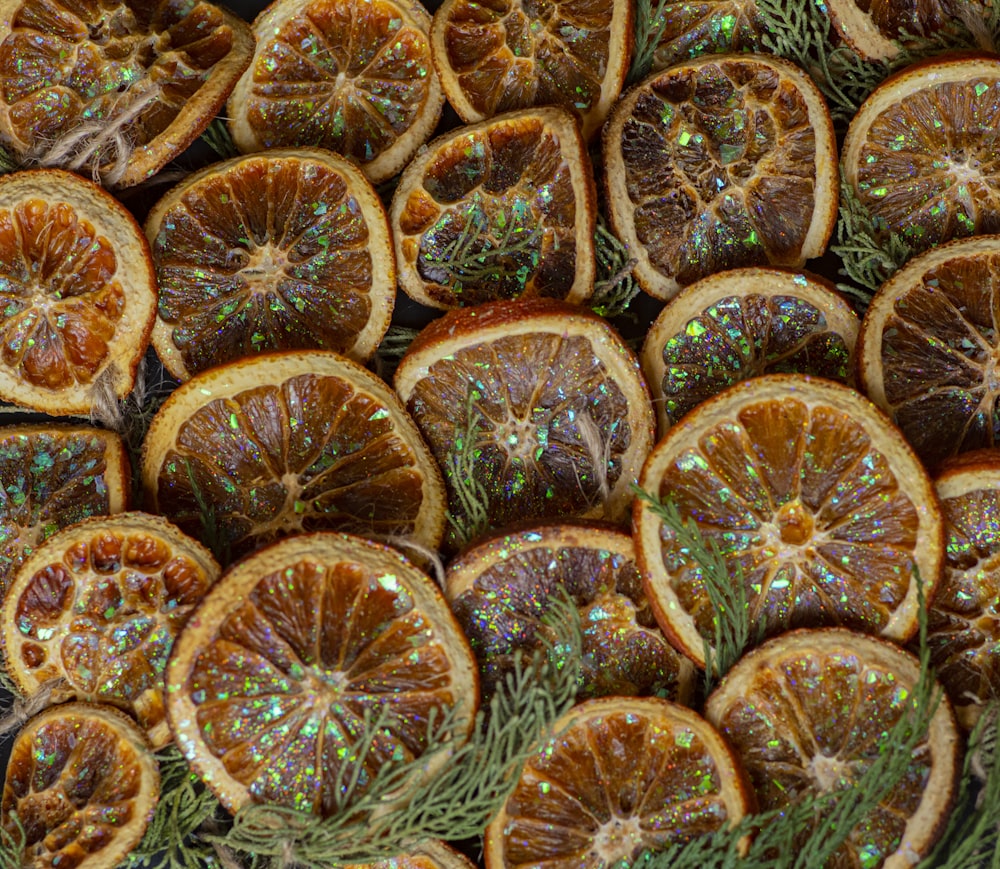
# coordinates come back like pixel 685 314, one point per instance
pixel 82 785
pixel 614 783
pixel 502 591
pixel 315 452
pixel 351 77
pixel 129 67
pixel 506 188
pixel 707 27
pixel 281 688
pixel 268 253
pixel 52 478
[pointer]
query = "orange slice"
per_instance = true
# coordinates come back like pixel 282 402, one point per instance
pixel 78 295
pixel 118 89
pixel 53 476
pixel 808 714
pixel 503 588
pixel 561 416
pixel 512 54
pixel 98 606
pixel 274 674
pixel 744 323
pixel 877 29
pixel 721 162
pixel 624 775
pixel 919 154
pixel 811 493
pixel 929 353
pixel 964 631
pixel 430 855
pixel 290 442
pixel 276 251
pixel 498 210
pixel 84 786
pixel 706 27
pixel 353 76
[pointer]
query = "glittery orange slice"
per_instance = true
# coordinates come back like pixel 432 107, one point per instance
pixel 430 855
pixel 878 29
pixel 708 26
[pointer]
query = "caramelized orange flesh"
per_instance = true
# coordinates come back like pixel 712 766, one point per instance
pixel 709 26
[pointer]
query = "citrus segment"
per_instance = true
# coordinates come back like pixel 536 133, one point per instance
pixel 744 323
pixel 877 29
pixel 814 500
pixel 624 775
pixel 808 713
pixel 115 89
pixel 920 153
pixel 498 210
pixel 77 292
pixel 929 351
pixel 720 162
pixel 53 476
pixel 504 591
pixel 275 251
pixel 706 27
pixel 98 606
pixel 353 76
pixel 511 54
pixel 83 785
pixel 544 403
pixel 283 443
pixel 276 673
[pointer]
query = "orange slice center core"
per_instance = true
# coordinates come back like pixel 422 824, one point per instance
pixel 829 773
pixel 795 524
pixel 263 263
pixel 619 838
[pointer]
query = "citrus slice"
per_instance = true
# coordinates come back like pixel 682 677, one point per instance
pixel 808 714
pixel 98 606
pixel 276 673
pixel 963 624
pixel 77 292
pixel 353 76
pixel 83 784
pixel 503 589
pixel 53 476
pixel 289 442
pixel 512 54
pixel 744 323
pixel 275 251
pixel 625 774
pixel 813 498
pixel 430 855
pixel 878 29
pixel 919 153
pixel 707 27
pixel 116 89
pixel 544 403
pixel 929 351
pixel 721 162
pixel 498 210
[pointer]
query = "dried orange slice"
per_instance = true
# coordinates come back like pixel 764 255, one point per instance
pixel 274 674
pixel 353 76
pixel 964 631
pixel 512 54
pixel 929 352
pixel 430 855
pixel 919 154
pixel 503 588
pixel 115 89
pixel 544 401
pixel 83 784
pixel 808 714
pixel 811 495
pixel 498 210
pixel 53 476
pixel 706 27
pixel 624 775
pixel 877 29
pixel 744 323
pixel 289 442
pixel 77 295
pixel 98 606
pixel 721 162
pixel 276 251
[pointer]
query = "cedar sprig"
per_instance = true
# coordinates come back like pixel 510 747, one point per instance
pixel 472 516
pixel 219 139
pixel 12 844
pixel 650 22
pixel 615 288
pixel 212 533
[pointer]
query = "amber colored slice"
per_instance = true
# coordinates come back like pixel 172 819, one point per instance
pixel 815 502
pixel 98 607
pixel 53 476
pixel 83 784
pixel 430 855
pixel 706 27
pixel 275 673
pixel 878 29
pixel 625 774
pixel 808 713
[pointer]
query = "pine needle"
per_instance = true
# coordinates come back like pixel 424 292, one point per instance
pixel 394 345
pixel 472 517
pixel 212 535
pixel 218 138
pixel 650 22
pixel 12 845
pixel 615 288
pixel 8 163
